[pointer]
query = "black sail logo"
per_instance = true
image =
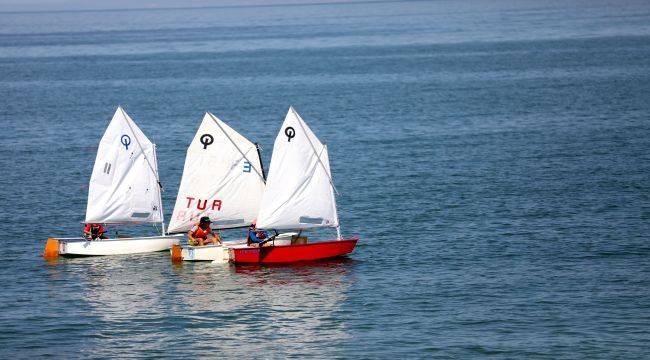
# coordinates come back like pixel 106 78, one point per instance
pixel 206 140
pixel 290 133
pixel 126 141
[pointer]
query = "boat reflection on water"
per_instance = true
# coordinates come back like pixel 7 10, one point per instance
pixel 320 272
pixel 105 301
pixel 256 309
pixel 201 308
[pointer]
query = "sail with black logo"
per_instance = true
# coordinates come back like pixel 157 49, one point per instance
pixel 124 190
pixel 299 191
pixel 124 186
pixel 299 195
pixel 222 178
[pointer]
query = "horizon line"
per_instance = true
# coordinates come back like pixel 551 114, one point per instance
pixel 164 8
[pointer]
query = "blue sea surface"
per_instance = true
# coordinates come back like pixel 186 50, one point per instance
pixel 493 157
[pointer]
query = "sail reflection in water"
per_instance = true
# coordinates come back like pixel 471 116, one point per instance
pixel 112 301
pixel 201 308
pixel 253 309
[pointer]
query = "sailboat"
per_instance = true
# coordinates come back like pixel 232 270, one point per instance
pixel 223 179
pixel 124 190
pixel 299 195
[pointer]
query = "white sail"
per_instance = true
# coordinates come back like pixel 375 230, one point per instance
pixel 124 183
pixel 299 190
pixel 222 179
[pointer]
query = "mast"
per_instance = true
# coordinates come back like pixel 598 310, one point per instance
pixel 160 190
pixel 259 155
pixel 338 222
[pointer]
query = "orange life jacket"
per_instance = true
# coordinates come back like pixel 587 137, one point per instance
pixel 200 233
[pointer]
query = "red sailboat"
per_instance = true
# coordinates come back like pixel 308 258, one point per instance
pixel 292 253
pixel 299 195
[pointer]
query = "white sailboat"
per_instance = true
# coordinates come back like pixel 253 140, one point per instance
pixel 124 190
pixel 223 178
pixel 299 195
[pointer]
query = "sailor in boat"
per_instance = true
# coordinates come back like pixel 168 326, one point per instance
pixel 94 231
pixel 256 237
pixel 202 234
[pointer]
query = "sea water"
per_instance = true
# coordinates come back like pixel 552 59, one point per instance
pixel 492 156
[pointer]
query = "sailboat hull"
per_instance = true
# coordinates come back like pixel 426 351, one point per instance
pixel 221 253
pixel 209 252
pixel 103 247
pixel 293 253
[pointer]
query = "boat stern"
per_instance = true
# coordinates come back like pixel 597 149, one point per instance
pixel 177 253
pixel 51 251
pixel 219 253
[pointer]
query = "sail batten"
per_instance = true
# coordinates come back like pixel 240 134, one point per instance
pixel 124 186
pixel 221 179
pixel 299 190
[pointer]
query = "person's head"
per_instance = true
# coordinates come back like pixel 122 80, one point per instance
pixel 205 222
pixel 254 224
pixel 95 225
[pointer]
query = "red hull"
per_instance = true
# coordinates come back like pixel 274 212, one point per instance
pixel 294 253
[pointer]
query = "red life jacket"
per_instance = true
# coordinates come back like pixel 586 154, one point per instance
pixel 99 229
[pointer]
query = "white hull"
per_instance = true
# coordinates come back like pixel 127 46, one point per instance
pixel 220 252
pixel 204 253
pixel 136 245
